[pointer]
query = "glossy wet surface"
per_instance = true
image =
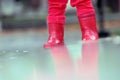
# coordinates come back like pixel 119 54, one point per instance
pixel 22 57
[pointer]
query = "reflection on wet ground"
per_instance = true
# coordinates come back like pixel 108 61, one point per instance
pixel 22 57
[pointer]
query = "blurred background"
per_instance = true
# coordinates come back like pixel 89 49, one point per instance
pixel 31 14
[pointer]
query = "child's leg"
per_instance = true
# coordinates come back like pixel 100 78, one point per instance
pixel 56 21
pixel 87 19
pixel 56 11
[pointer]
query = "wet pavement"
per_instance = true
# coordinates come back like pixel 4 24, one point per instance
pixel 22 57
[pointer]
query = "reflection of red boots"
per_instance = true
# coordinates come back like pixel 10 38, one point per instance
pixel 63 63
pixel 88 64
pixel 88 27
pixel 56 35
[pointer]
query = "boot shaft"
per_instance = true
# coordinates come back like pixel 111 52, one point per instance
pixel 56 31
pixel 88 27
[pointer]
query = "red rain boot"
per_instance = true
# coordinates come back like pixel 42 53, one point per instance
pixel 56 35
pixel 88 27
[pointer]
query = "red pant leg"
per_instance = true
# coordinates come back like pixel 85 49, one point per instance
pixel 84 7
pixel 56 11
pixel 75 2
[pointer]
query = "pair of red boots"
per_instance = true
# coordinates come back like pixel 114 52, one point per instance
pixel 56 31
